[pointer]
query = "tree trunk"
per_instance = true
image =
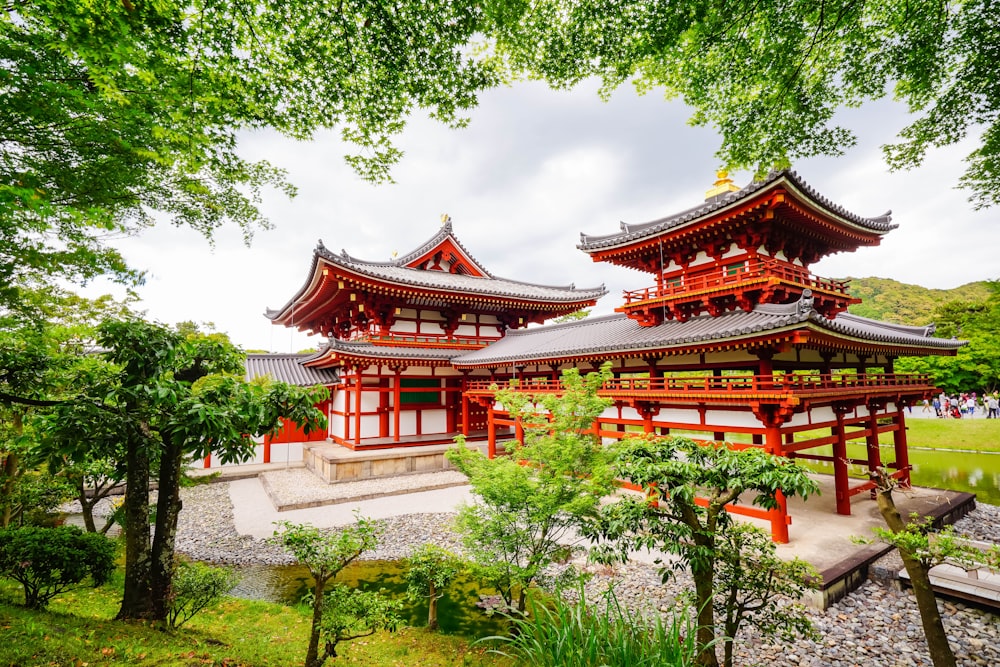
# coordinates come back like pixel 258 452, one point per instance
pixel 312 653
pixel 8 478
pixel 432 609
pixel 137 601
pixel 168 508
pixel 86 507
pixel 704 585
pixel 930 617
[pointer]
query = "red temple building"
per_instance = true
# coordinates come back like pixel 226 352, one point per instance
pixel 733 339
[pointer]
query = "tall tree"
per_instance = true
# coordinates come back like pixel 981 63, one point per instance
pixel 770 76
pixel 116 111
pixel 673 473
pixel 173 397
pixel 527 506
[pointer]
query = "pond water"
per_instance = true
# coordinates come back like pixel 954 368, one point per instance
pixel 457 610
pixel 975 472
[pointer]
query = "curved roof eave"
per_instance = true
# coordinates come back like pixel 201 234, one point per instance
pixel 629 233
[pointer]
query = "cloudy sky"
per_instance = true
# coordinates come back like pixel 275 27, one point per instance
pixel 533 170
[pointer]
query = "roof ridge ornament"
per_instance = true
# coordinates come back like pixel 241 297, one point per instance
pixel 723 185
pixel 805 305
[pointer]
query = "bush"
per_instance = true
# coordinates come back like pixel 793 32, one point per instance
pixel 567 634
pixel 194 587
pixel 50 561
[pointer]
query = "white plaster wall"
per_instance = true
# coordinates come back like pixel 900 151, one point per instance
pixel 730 356
pixel 434 421
pixel 823 414
pixel 431 315
pixel 369 426
pixel 465 330
pixel 407 422
pixel 731 418
pixel 734 251
pixel 407 326
pixel 369 401
pixel 702 258
pixel 338 402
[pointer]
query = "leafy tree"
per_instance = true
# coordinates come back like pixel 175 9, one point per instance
pixel 339 614
pixel 117 111
pixel 753 586
pixel 197 586
pixel 770 76
pixel 50 561
pixel 430 569
pixel 921 549
pixel 171 398
pixel 673 473
pixel 976 366
pixel 527 505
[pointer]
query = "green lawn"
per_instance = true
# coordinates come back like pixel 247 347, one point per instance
pixel 981 435
pixel 76 631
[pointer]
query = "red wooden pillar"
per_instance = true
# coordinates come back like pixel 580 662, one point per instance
pixel 267 449
pixel 840 479
pixel 451 399
pixel 357 407
pixel 519 430
pixel 347 413
pixel 396 394
pixel 900 445
pixel 208 460
pixel 491 433
pixel 779 515
pixel 383 406
pixel 874 455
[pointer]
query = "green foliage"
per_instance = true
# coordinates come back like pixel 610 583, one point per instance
pixel 352 614
pixel 430 569
pixel 339 614
pixel 769 77
pixel 50 561
pixel 36 497
pixel 976 366
pixel 196 586
pixel 754 586
pixel 559 633
pixel 527 505
pixel 892 301
pixel 673 473
pixel 118 111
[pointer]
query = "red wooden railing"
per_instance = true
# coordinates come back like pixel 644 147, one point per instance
pixel 728 384
pixel 430 339
pixel 722 276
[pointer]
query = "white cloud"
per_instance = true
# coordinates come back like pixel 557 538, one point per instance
pixel 533 170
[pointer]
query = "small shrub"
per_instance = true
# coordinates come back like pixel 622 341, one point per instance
pixel 196 586
pixel 50 561
pixel 568 634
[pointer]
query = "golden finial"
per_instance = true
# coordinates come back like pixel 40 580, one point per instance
pixel 445 219
pixel 722 185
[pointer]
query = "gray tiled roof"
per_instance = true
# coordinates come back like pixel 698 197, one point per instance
pixel 617 333
pixel 445 232
pixel 395 272
pixel 629 233
pixel 366 349
pixel 288 368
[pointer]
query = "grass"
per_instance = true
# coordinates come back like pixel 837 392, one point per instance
pixel 567 634
pixel 76 630
pixel 977 435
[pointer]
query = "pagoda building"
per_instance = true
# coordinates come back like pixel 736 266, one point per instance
pixel 735 340
pixel 393 327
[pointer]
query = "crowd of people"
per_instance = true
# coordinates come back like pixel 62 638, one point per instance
pixel 964 405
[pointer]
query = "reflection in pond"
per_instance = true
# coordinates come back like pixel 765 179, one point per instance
pixel 457 611
pixel 975 472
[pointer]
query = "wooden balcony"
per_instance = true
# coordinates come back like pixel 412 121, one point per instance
pixel 742 284
pixel 429 340
pixel 734 389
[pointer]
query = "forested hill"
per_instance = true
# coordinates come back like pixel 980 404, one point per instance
pixel 892 301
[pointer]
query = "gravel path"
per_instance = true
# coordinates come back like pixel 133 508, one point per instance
pixel 876 626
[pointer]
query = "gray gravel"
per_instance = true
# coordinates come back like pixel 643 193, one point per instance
pixel 876 626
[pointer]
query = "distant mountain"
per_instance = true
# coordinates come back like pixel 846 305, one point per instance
pixel 892 301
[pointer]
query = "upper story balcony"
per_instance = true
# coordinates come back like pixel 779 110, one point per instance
pixel 737 284
pixel 443 340
pixel 788 388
